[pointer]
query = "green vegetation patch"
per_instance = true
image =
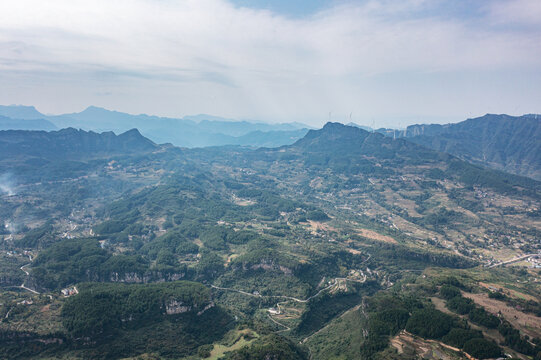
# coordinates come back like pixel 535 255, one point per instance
pixel 102 308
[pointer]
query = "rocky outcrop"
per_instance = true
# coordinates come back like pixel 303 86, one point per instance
pixel 129 277
pixel 209 306
pixel 173 307
pixel 271 266
pixel 137 278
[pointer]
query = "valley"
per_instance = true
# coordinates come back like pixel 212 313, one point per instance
pixel 346 244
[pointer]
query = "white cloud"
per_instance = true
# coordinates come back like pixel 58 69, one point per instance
pixel 214 57
pixel 522 12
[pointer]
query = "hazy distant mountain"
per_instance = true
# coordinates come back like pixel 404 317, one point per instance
pixel 239 128
pixel 99 119
pixel 21 112
pixel 7 123
pixel 503 142
pixel 269 138
pixel 191 131
pixel 71 144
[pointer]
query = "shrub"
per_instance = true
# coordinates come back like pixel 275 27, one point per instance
pixel 460 305
pixel 458 337
pixel 449 291
pixel 480 317
pixel 429 323
pixel 482 349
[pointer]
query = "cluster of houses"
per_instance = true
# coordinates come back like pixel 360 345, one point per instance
pixel 69 291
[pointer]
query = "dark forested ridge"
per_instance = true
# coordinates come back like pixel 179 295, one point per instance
pixel 71 144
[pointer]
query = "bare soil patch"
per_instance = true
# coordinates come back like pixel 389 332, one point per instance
pixel 405 343
pixel 376 236
pixel 509 292
pixel 317 225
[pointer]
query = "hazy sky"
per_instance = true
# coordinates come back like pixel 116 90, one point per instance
pixel 391 62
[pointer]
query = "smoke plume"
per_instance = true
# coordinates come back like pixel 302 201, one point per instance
pixel 7 184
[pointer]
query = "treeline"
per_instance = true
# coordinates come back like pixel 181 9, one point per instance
pixel 526 305
pixel 269 347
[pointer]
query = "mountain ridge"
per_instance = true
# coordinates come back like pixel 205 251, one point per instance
pixel 502 142
pixel 7 123
pixel 71 143
pixel 350 149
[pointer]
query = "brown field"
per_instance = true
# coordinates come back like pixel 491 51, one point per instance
pixel 509 292
pixel 439 304
pixel 427 349
pixel 528 324
pixel 317 225
pixel 242 202
pixel 376 236
pixel 492 334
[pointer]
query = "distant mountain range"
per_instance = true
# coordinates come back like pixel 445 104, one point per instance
pixel 7 123
pixel 191 131
pixel 503 142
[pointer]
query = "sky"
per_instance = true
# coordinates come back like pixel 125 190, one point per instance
pixel 386 63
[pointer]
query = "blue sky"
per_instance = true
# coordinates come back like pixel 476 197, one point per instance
pixel 386 62
pixel 304 8
pixel 293 8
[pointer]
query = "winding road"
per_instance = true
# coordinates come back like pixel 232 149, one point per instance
pixel 335 282
pixel 520 258
pixel 22 286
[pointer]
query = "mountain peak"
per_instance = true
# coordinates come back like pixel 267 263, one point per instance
pixel 332 135
pixel 94 109
pixel 132 132
pixel 339 129
pixel 333 125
